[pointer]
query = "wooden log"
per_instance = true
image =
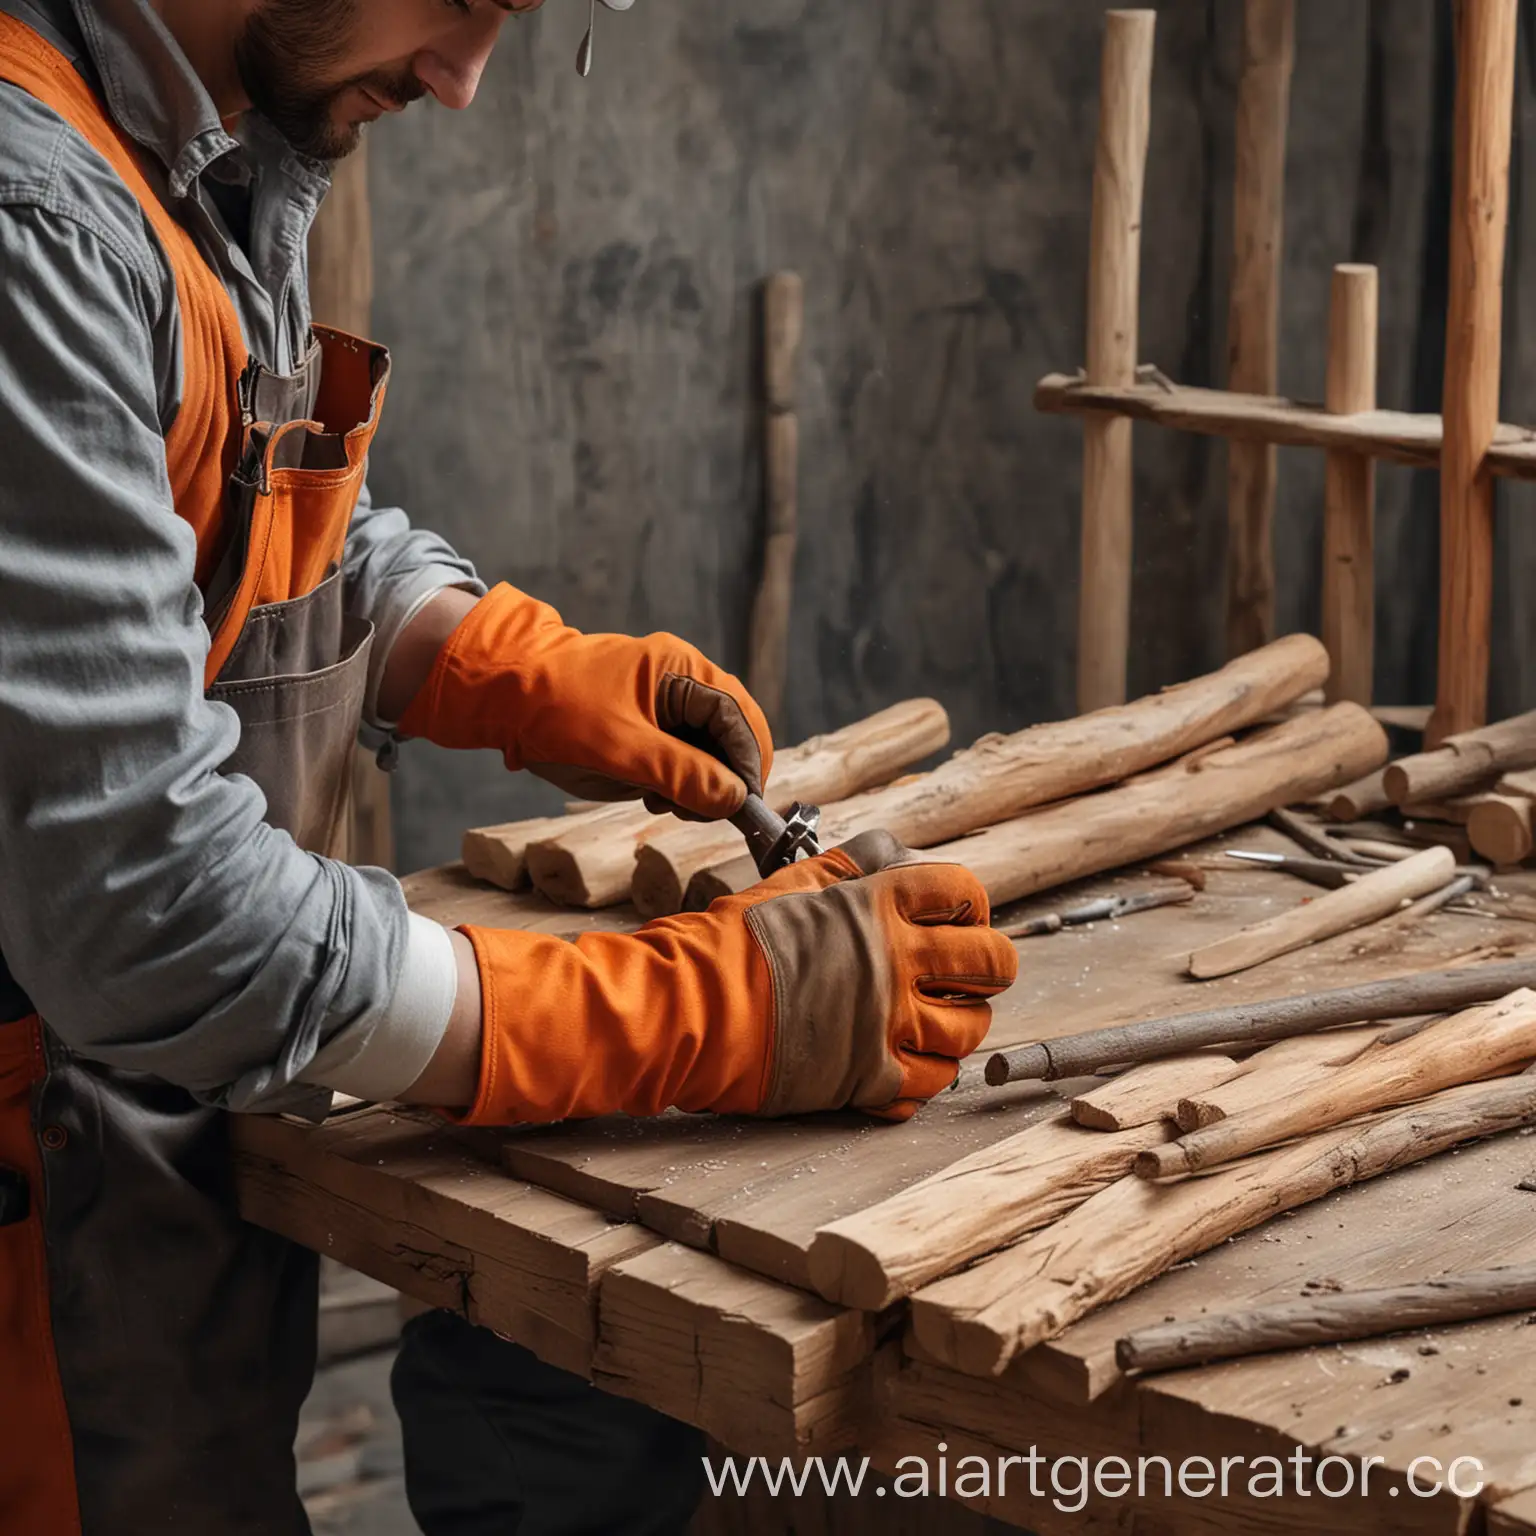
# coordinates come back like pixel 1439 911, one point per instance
pixel 1358 800
pixel 1082 1055
pixel 1114 280
pixel 1329 1318
pixel 499 854
pixel 768 642
pixel 1349 492
pixel 1273 1073
pixel 1462 763
pixel 1518 782
pixel 1479 1043
pixel 1151 1092
pixel 1369 897
pixel 1294 761
pixel 1133 1231
pixel 1499 828
pixel 1000 777
pixel 974 1206
pixel 586 863
pixel 1485 77
pixel 1258 203
pixel 728 878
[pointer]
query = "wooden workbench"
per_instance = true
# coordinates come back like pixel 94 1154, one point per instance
pixel 666 1259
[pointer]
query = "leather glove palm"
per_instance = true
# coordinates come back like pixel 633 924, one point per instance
pixel 855 979
pixel 606 717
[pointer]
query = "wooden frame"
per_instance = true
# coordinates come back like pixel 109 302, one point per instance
pixel 1467 444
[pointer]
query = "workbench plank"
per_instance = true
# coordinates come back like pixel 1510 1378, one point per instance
pixel 403 1199
pixel 1515 1516
pixel 764 1368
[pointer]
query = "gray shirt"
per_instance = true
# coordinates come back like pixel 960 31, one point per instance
pixel 153 917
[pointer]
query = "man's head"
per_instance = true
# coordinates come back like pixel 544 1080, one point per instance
pixel 320 69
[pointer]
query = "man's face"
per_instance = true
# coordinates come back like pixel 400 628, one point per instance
pixel 320 69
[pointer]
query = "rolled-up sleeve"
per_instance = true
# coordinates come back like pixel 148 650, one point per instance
pixel 153 917
pixel 391 570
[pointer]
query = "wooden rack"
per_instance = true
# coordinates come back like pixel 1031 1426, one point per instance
pixel 1466 442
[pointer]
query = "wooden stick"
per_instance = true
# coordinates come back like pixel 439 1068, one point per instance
pixel 585 862
pixel 1151 1092
pixel 1485 78
pixel 1361 799
pixel 1369 897
pixel 1469 1046
pixel 1400 436
pixel 1349 491
pixel 1499 828
pixel 1021 1183
pixel 1274 1072
pixel 1330 1318
pixel 1114 266
pixel 768 646
pixel 1133 1231
pixel 1297 760
pixel 1401 997
pixel 1002 776
pixel 1258 202
pixel 1462 763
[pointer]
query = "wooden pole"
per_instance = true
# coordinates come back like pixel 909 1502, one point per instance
pixel 341 294
pixel 1258 204
pixel 768 650
pixel 1104 602
pixel 1277 1019
pixel 1485 76
pixel 1349 492
pixel 1329 1319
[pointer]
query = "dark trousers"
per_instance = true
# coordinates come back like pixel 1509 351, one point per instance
pixel 497 1442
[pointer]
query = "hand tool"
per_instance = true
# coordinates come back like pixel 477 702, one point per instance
pixel 1106 908
pixel 1318 871
pixel 775 841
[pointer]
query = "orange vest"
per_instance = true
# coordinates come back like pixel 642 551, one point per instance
pixel 300 521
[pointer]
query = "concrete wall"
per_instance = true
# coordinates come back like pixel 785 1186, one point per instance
pixel 568 276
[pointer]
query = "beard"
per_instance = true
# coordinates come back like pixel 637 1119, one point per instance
pixel 291 54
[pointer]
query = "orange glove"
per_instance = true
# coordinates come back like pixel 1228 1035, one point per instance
pixel 821 988
pixel 606 717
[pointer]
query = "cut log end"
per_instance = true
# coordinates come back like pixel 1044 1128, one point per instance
pixel 558 874
pixel 1500 830
pixel 970 1346
pixel 1163 1162
pixel 847 1273
pixel 655 889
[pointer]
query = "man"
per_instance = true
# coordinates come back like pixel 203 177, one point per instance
pixel 199 604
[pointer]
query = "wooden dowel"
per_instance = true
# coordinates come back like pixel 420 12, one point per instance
pixel 1500 828
pixel 1349 491
pixel 1479 1043
pixel 1258 204
pixel 1485 77
pixel 1114 268
pixel 1363 798
pixel 1330 1318
pixel 1371 896
pixel 768 646
pixel 1428 992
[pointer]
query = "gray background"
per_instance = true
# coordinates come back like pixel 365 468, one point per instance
pixel 568 276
